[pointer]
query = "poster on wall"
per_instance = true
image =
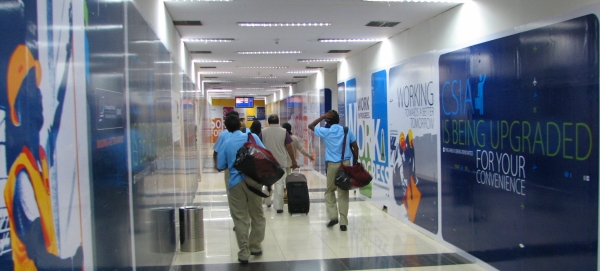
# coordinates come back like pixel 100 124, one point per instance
pixel 260 113
pixel 366 108
pixel 41 189
pixel 413 141
pixel 217 123
pixel 519 153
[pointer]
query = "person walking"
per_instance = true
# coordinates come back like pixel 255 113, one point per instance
pixel 333 138
pixel 245 206
pixel 296 143
pixel 256 128
pixel 279 143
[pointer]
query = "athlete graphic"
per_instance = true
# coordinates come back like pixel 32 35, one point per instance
pixel 27 194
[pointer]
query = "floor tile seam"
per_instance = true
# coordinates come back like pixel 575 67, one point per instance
pixel 342 260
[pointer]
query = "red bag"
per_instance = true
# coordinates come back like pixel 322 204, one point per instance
pixel 351 177
pixel 258 163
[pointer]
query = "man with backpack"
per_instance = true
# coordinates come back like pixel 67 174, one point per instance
pixel 245 206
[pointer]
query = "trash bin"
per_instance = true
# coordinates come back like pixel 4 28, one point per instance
pixel 163 228
pixel 191 228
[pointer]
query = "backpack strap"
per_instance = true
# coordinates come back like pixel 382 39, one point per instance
pixel 344 143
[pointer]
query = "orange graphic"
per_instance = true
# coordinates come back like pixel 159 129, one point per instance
pixel 412 199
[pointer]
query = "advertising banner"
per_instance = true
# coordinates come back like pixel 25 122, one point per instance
pixel 413 110
pixel 43 180
pixel 519 148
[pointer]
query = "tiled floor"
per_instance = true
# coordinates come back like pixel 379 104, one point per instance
pixel 374 240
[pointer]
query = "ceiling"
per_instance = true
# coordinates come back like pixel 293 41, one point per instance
pixel 347 17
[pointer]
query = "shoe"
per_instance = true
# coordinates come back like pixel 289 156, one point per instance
pixel 269 206
pixel 331 223
pixel 258 253
pixel 279 211
pixel 242 261
pixel 343 228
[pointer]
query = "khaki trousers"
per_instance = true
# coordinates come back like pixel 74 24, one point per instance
pixel 247 213
pixel 278 190
pixel 343 196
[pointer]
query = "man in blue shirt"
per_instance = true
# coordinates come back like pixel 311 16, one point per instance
pixel 333 138
pixel 244 205
pixel 219 144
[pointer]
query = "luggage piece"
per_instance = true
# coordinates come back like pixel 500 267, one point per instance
pixel 297 193
pixel 258 163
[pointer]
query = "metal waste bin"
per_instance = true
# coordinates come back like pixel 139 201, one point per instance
pixel 191 228
pixel 163 228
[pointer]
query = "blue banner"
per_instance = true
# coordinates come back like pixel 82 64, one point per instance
pixel 519 135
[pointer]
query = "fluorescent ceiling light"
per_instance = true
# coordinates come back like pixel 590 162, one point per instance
pixel 428 1
pixel 263 67
pixel 208 39
pixel 211 61
pixel 281 86
pixel 320 60
pixel 350 40
pixel 249 88
pixel 214 72
pixel 266 24
pixel 273 89
pixel 219 90
pixel 217 81
pixel 308 71
pixel 259 77
pixel 268 52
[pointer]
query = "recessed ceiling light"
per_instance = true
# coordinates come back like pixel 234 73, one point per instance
pixel 349 40
pixel 268 52
pixel 211 61
pixel 215 72
pixel 263 67
pixel 320 60
pixel 281 86
pixel 259 77
pixel 208 39
pixel 273 89
pixel 308 71
pixel 266 24
pixel 163 62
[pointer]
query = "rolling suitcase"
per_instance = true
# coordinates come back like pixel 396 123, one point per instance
pixel 297 193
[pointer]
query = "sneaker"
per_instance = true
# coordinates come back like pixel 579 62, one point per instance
pixel 331 223
pixel 279 211
pixel 258 253
pixel 242 261
pixel 269 206
pixel 343 228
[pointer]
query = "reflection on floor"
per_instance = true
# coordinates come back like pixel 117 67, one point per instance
pixel 374 239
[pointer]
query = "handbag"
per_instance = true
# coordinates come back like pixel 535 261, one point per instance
pixel 351 177
pixel 258 163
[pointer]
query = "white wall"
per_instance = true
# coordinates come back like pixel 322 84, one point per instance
pixel 455 27
pixel 159 19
